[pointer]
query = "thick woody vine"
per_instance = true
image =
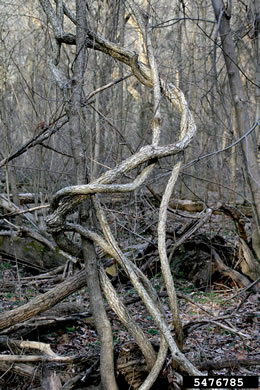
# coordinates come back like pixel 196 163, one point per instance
pixel 67 199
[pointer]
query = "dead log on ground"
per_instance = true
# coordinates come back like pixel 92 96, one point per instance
pixel 43 301
pixel 231 363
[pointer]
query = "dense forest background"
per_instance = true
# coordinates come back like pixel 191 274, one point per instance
pixel 188 51
pixel 114 116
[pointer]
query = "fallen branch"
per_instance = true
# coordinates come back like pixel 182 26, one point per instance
pixel 39 358
pixel 196 324
pixel 195 226
pixel 46 348
pixel 25 370
pixel 43 301
pixel 231 363
pixel 233 274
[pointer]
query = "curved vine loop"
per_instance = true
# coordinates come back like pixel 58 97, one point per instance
pixel 65 200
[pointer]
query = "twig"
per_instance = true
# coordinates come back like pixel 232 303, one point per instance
pixel 216 323
pixel 13 213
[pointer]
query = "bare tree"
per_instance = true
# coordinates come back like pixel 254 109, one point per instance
pixel 239 101
pixel 85 196
pixel 111 140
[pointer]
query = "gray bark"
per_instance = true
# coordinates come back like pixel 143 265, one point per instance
pixel 68 198
pixel 239 102
pixel 102 322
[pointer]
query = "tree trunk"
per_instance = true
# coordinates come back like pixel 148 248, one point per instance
pixel 239 102
pixel 102 322
pixel 256 37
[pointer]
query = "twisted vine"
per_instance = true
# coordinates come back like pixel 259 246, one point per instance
pixel 67 199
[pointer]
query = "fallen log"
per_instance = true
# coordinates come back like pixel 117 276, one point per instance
pixel 44 301
pixel 230 363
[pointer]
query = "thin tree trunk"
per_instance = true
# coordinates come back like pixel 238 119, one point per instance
pixel 233 161
pixel 102 322
pixel 239 103
pixel 256 36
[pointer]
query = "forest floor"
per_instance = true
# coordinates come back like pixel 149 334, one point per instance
pixel 221 324
pixel 208 341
